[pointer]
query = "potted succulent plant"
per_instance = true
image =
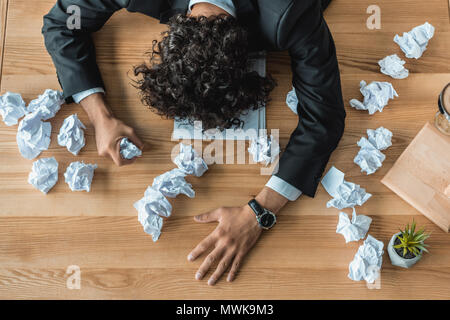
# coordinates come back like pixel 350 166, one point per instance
pixel 407 246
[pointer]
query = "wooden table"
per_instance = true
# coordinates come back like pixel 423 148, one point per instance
pixel 302 258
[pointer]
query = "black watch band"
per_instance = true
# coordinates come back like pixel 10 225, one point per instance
pixel 266 219
pixel 256 207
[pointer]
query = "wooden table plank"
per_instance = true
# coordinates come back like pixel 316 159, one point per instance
pixel 3 18
pixel 93 242
pixel 118 261
pixel 286 283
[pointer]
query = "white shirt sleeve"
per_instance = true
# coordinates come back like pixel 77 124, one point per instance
pixel 77 97
pixel 282 187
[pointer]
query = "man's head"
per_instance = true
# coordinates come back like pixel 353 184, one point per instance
pixel 198 71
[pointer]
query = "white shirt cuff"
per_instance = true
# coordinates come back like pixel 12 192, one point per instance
pixel 282 187
pixel 77 97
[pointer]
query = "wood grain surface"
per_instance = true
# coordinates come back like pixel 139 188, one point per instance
pixel 3 16
pixel 302 258
pixel 421 175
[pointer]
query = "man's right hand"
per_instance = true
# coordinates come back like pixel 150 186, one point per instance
pixel 108 129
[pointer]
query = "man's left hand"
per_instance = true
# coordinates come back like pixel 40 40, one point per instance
pixel 236 233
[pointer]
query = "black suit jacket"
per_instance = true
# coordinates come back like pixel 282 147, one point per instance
pixel 294 25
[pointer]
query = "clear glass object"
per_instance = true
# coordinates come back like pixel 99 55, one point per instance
pixel 442 118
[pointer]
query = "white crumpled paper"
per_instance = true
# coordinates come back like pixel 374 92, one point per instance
pixel 151 223
pixel 12 108
pixel 376 96
pixel 354 229
pixel 169 184
pixel 71 134
pixel 264 149
pixel 381 138
pixel 393 66
pixel 369 157
pixel 345 194
pixel 47 104
pixel 128 150
pixel 292 100
pixel 79 176
pixel 33 135
pixel 366 264
pixel 172 183
pixel 414 42
pixel 150 209
pixel 154 202
pixel 44 174
pixel 190 162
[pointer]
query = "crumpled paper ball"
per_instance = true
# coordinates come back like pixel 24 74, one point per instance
pixel 150 209
pixel 12 108
pixel 414 42
pixel 47 104
pixel 366 264
pixel 172 183
pixel 292 100
pixel 345 194
pixel 189 161
pixel 79 176
pixel 354 229
pixel 264 149
pixel 393 66
pixel 376 96
pixel 128 150
pixel 369 157
pixel 33 135
pixel 44 174
pixel 71 134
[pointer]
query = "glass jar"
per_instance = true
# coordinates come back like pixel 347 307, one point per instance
pixel 442 118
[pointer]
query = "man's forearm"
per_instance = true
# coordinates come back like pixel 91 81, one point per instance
pixel 96 108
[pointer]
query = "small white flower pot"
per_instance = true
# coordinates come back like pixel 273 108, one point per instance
pixel 398 260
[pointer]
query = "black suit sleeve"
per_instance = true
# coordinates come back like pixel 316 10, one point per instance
pixel 73 51
pixel 321 109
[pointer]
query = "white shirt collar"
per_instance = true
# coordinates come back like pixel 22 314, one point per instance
pixel 226 5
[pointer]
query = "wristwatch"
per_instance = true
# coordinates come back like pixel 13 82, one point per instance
pixel 266 219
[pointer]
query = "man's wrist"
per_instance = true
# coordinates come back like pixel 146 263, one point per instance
pixel 251 215
pixel 96 108
pixel 271 200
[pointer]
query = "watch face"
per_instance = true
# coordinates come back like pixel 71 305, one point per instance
pixel 267 220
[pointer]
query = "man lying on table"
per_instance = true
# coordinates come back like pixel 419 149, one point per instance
pixel 198 71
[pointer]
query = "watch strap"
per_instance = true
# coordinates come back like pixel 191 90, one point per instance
pixel 256 207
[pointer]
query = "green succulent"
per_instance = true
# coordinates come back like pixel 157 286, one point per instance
pixel 412 241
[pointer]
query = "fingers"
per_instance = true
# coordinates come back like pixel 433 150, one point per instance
pixel 208 216
pixel 204 245
pixel 117 157
pixel 214 256
pixel 235 267
pixel 135 139
pixel 221 268
pixel 109 133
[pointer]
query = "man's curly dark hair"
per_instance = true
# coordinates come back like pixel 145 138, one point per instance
pixel 198 71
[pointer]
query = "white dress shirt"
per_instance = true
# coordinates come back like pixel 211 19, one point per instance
pixel 275 183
